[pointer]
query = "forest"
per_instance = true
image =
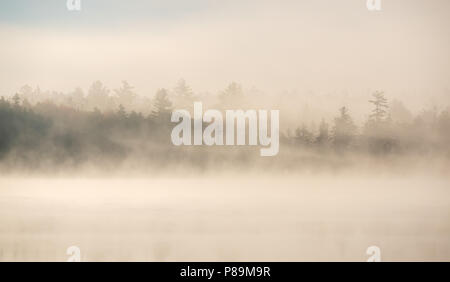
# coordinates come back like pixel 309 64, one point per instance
pixel 48 131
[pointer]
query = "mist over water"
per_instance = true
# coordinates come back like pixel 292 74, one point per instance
pixel 281 218
pixel 86 157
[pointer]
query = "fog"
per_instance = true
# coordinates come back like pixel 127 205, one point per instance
pixel 86 157
pixel 221 219
pixel 324 47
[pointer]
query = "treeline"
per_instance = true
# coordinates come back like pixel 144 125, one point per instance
pixel 99 97
pixel 74 130
pixel 47 135
pixel 427 133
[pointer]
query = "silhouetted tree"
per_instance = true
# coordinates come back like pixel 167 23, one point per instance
pixel 344 130
pixel 26 92
pixel 323 136
pixel 125 95
pixel 378 128
pixel 98 96
pixel 16 100
pixel 303 136
pixel 381 105
pixel 162 107
pixel 232 96
pixel 183 95
pixel 77 98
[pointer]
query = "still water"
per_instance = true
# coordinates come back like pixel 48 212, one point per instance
pixel 282 218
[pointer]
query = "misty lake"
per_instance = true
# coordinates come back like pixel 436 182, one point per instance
pixel 283 218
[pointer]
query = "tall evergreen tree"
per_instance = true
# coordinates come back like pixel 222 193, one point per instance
pixel 378 130
pixel 16 100
pixel 344 129
pixel 162 105
pixel 184 96
pixel 98 96
pixel 125 95
pixel 381 105
pixel 323 136
pixel 232 96
pixel 303 135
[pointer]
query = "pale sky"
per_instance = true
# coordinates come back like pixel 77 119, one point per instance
pixel 308 45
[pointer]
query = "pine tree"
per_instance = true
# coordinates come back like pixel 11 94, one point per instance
pixel 344 129
pixel 16 100
pixel 183 95
pixel 303 135
pixel 323 136
pixel 378 130
pixel 232 96
pixel 381 105
pixel 125 95
pixel 162 105
pixel 98 96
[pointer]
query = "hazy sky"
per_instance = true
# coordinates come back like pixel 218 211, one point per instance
pixel 311 45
